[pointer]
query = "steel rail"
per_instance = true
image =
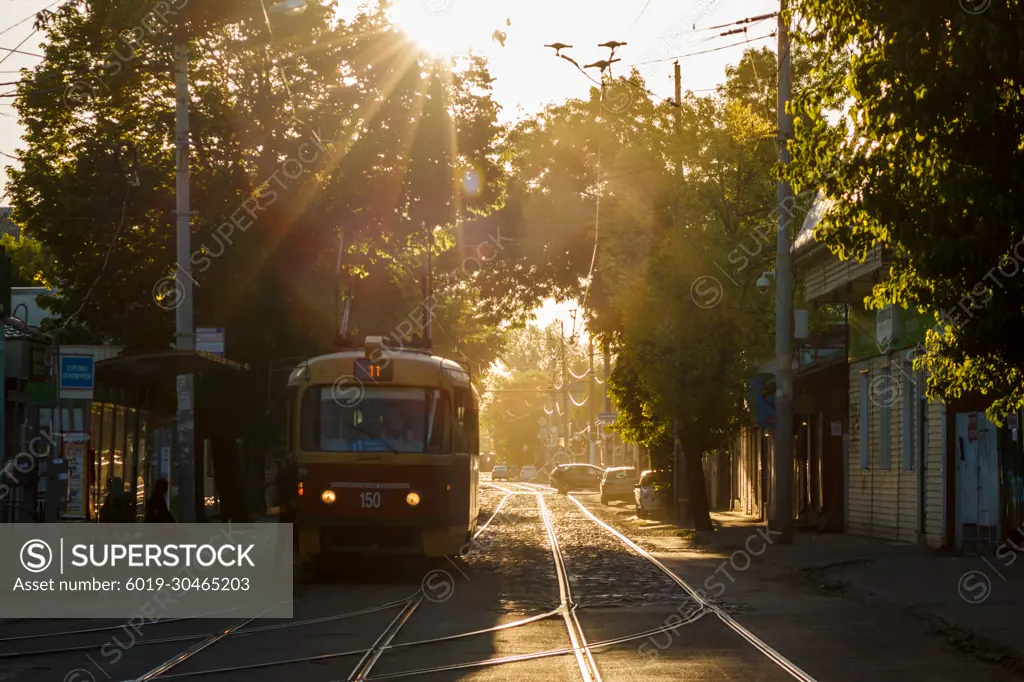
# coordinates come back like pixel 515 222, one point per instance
pixel 106 628
pixel 743 632
pixel 497 510
pixel 185 655
pixel 540 654
pixel 584 658
pixel 189 638
pixel 366 663
pixel 356 652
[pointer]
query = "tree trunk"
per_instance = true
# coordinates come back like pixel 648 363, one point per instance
pixel 693 456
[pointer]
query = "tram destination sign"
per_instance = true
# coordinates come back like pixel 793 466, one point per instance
pixel 365 370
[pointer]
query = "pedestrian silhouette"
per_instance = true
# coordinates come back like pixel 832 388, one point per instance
pixel 118 507
pixel 156 505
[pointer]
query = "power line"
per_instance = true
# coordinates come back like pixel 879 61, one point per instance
pixel 748 20
pixel 29 17
pixel 10 51
pixel 715 49
pixel 646 5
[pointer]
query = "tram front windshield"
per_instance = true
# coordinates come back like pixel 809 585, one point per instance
pixel 381 419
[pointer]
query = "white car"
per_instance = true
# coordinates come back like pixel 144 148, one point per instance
pixel 528 473
pixel 499 473
pixel 651 493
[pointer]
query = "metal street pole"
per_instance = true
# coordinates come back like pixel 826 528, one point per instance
pixel 784 307
pixel 184 340
pixel 592 399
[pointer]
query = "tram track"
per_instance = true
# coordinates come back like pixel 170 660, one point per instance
pixel 362 669
pixel 584 657
pixel 752 639
pixel 365 669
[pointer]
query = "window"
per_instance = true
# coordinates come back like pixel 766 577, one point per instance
pixel 466 423
pixel 886 429
pixel 385 419
pixel 909 418
pixel 864 420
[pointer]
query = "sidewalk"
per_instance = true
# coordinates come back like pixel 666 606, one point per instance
pixel 974 602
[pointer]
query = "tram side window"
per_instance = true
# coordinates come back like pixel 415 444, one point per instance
pixel 438 427
pixel 310 420
pixel 465 422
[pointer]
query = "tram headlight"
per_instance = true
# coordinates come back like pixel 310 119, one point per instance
pixel 328 496
pixel 412 499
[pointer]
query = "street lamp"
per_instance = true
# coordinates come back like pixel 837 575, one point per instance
pixel 184 335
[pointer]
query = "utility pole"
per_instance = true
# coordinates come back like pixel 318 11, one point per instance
pixel 607 440
pixel 184 340
pixel 592 399
pixel 428 288
pixel 679 106
pixel 563 377
pixel 679 88
pixel 784 307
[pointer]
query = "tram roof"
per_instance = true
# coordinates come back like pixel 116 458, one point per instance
pixel 421 357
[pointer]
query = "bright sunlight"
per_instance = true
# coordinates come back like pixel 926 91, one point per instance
pixel 445 28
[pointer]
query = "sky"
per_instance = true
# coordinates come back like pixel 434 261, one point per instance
pixel 528 75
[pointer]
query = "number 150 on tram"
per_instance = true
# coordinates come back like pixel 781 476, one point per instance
pixel 386 447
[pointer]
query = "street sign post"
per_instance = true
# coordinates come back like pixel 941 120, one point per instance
pixel 77 376
pixel 210 340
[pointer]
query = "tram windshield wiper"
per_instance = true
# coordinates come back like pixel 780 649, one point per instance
pixel 376 438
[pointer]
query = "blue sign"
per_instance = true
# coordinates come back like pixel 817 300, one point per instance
pixel 77 371
pixel 762 407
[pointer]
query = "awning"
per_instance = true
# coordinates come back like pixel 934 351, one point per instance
pixel 137 371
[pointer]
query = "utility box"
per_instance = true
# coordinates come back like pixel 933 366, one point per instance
pixel 801 324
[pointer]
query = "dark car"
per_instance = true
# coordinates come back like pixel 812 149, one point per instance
pixel 568 477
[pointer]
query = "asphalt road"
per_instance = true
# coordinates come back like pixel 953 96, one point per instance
pixel 505 611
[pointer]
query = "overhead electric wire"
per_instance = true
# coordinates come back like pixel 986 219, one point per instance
pixel 715 49
pixel 30 17
pixel 597 223
pixel 748 20
pixel 646 5
pixel 10 51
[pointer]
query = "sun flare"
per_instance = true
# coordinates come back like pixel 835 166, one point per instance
pixel 446 28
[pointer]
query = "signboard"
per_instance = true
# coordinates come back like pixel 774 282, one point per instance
pixel 972 426
pixel 607 416
pixel 877 332
pixel 210 340
pixel 837 428
pixel 74 453
pixel 76 371
pixel 884 328
pixel 77 376
pixel 763 412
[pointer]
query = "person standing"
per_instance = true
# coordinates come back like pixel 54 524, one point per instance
pixel 156 505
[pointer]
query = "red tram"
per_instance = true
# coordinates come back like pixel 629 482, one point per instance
pixel 386 447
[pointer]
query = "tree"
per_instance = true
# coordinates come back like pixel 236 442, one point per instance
pixel 923 163
pixel 681 191
pixel 334 129
pixel 32 265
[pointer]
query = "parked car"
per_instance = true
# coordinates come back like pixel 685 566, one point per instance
pixel 568 477
pixel 527 473
pixel 617 484
pixel 500 473
pixel 651 493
